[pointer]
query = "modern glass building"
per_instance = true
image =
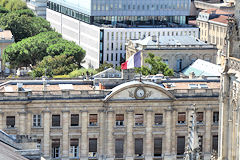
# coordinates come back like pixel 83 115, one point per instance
pixel 87 22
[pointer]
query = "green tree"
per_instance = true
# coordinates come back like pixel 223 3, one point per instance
pixel 57 65
pixel 13 5
pixel 104 66
pixel 3 10
pixel 30 50
pixel 23 25
pixel 156 65
pixel 68 48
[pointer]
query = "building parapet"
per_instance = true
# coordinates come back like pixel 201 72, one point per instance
pixel 195 92
pixel 180 47
pixel 234 63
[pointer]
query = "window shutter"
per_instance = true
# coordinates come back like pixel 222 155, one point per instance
pixel 200 116
pixel 119 148
pixel 93 145
pixel 10 121
pixel 158 118
pixel 138 146
pixel 158 146
pixel 181 116
pixel 55 143
pixel 119 117
pixel 93 118
pixel 180 145
pixel 55 120
pixel 138 118
pixel 74 119
pixel 74 142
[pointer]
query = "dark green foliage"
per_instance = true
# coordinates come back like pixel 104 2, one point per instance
pixel 104 66
pixel 57 65
pixel 23 24
pixel 156 66
pixel 3 10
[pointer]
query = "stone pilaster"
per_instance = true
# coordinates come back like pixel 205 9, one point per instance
pixel 1 120
pixel 168 135
pixel 208 135
pixel 22 123
pixel 149 139
pixel 174 143
pixel 101 147
pixel 84 136
pixel 130 139
pixel 110 139
pixel 29 123
pixel 46 134
pixel 65 130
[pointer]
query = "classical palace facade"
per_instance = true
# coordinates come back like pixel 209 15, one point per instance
pixel 134 120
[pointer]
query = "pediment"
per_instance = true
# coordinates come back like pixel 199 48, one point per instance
pixel 129 91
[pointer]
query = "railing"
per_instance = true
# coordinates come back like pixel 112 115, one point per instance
pixel 195 92
pixel 234 63
pixel 181 46
pixel 62 94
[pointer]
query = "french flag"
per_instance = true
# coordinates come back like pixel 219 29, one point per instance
pixel 132 62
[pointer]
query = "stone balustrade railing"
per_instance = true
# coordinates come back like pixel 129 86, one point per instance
pixel 92 94
pixel 234 63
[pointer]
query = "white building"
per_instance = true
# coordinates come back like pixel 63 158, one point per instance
pixel 102 28
pixel 38 7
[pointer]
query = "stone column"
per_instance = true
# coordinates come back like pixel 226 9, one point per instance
pixel 130 139
pixel 208 135
pixel 22 124
pixel 168 134
pixel 29 123
pixel 110 138
pixel 174 143
pixel 149 140
pixel 46 133
pixel 223 118
pixel 84 136
pixel 102 145
pixel 65 130
pixel 1 120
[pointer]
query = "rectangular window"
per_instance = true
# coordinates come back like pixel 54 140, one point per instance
pixel 55 148
pixel 119 119
pixel 116 57
pixel 180 145
pixel 93 120
pixel 165 61
pixel 157 147
pixel 55 120
pixel 138 147
pixel 138 119
pixel 74 149
pixel 119 143
pixel 37 120
pixel 215 143
pixel 181 117
pixel 74 119
pixel 10 121
pixel 92 148
pixel 158 119
pixel 200 117
pixel 215 117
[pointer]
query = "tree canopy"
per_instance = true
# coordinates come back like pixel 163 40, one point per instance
pixel 13 5
pixel 104 66
pixel 156 65
pixel 23 24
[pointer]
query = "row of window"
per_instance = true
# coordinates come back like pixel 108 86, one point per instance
pixel 139 35
pixel 110 57
pixel 119 147
pixel 119 119
pixel 69 12
pixel 124 7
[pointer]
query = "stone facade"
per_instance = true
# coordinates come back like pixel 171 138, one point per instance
pixel 132 99
pixel 229 135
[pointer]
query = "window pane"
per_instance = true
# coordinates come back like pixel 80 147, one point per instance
pixel 180 145
pixel 200 117
pixel 119 148
pixel 138 119
pixel 55 120
pixel 158 119
pixel 158 147
pixel 10 122
pixel 119 117
pixel 93 145
pixel 139 146
pixel 215 143
pixel 74 119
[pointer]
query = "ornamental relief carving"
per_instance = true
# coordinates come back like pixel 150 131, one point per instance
pixel 234 64
pixel 132 94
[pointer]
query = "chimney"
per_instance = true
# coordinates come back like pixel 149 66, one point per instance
pixel 191 75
